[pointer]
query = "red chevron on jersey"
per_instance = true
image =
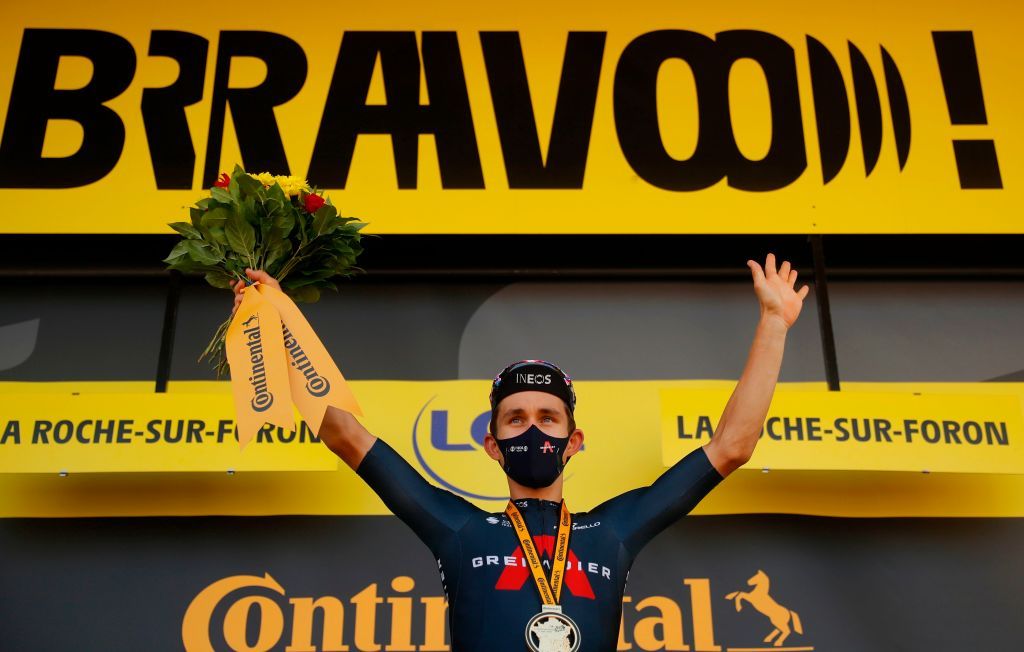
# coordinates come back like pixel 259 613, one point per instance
pixel 514 577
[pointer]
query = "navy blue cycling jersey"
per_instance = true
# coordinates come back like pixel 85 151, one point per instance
pixel 491 593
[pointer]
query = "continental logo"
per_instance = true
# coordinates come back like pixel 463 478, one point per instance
pixel 258 614
pixel 316 385
pixel 784 621
pixel 262 399
pixel 37 97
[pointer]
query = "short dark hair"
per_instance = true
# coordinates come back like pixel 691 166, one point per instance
pixel 494 419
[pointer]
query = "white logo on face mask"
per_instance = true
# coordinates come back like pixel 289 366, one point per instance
pixel 518 449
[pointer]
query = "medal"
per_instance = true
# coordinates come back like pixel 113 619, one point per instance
pixel 550 630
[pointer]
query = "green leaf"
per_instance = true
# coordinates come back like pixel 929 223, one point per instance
pixel 220 279
pixel 177 253
pixel 235 266
pixel 240 234
pixel 233 190
pixel 187 230
pixel 202 253
pixel 324 220
pixel 248 185
pixel 248 210
pixel 305 294
pixel 284 222
pixel 276 193
pixel 275 253
pixel 195 214
pixel 309 279
pixel 222 196
pixel 204 203
pixel 214 235
pixel 215 217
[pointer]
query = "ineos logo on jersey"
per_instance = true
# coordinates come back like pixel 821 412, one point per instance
pixel 534 379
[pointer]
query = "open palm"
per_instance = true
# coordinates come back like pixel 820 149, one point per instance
pixel 775 290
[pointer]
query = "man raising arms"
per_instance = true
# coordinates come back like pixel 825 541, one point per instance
pixel 538 576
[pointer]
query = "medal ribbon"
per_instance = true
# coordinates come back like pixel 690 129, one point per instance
pixel 550 592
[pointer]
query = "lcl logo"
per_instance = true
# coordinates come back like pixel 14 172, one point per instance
pixel 438 440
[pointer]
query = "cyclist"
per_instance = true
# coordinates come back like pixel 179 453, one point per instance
pixel 537 576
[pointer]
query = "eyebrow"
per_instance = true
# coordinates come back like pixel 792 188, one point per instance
pixel 521 411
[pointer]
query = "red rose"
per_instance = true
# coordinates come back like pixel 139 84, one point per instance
pixel 313 203
pixel 223 182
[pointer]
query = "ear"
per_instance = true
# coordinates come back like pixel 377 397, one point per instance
pixel 574 445
pixel 491 446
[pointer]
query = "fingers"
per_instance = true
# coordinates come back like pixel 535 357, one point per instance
pixel 755 272
pixel 803 292
pixel 784 271
pixel 258 275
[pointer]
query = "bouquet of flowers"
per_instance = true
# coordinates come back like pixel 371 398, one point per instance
pixel 275 223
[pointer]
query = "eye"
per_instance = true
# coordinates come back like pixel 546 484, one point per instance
pixel 549 418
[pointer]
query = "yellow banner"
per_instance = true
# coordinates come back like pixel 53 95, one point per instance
pixel 860 431
pixel 102 433
pixel 461 117
pixel 438 427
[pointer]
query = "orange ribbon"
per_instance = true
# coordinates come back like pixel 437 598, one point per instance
pixel 274 353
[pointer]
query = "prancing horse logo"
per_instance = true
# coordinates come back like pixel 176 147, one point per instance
pixel 780 616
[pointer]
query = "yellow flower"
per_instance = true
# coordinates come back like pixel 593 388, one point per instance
pixel 291 185
pixel 266 178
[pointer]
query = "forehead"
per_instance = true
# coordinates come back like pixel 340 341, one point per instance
pixel 531 401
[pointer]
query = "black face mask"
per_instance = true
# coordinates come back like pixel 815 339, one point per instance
pixel 533 458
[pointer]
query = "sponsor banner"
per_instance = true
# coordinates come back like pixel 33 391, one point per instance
pixel 969 433
pixel 90 433
pixel 721 584
pixel 793 117
pixel 438 426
